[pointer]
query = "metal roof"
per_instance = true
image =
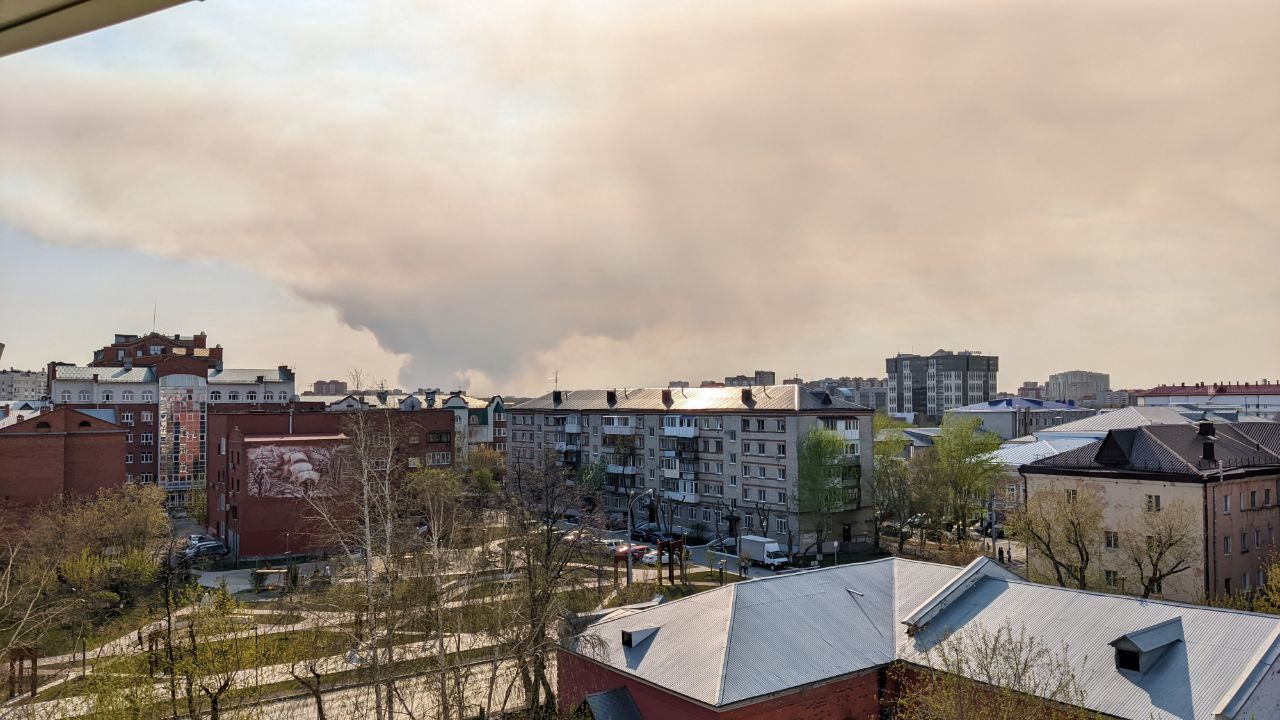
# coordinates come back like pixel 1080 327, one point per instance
pixel 615 704
pixel 106 374
pixel 1015 403
pixel 1128 417
pixel 1174 449
pixel 248 376
pixel 763 398
pixel 1015 454
pixel 26 24
pixel 769 635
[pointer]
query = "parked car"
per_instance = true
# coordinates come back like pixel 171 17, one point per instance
pixel 197 539
pixel 762 551
pixel 637 551
pixel 894 530
pixel 651 558
pixel 207 548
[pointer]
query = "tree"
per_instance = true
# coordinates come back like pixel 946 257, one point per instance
pixel 820 490
pixel 892 493
pixel 963 452
pixel 1063 526
pixel 990 674
pixel 1159 544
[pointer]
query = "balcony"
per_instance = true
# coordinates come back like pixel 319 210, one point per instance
pixel 671 473
pixel 680 431
pixel 620 469
pixel 566 447
pixel 572 426
pixel 850 434
pixel 677 496
pixel 617 430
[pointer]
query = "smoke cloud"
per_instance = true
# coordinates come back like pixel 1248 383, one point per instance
pixel 630 193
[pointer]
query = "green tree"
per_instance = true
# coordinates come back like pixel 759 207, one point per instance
pixel 892 494
pixel 963 452
pixel 820 486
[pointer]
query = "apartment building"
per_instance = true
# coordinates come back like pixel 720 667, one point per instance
pixel 23 384
pixel 718 460
pixel 760 377
pixel 932 385
pixel 1227 474
pixel 1082 387
pixel 1017 417
pixel 1260 398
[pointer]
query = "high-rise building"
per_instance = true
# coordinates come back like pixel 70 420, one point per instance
pixel 1082 387
pixel 22 384
pixel 761 377
pixel 720 461
pixel 931 385
pixel 328 387
pixel 1031 390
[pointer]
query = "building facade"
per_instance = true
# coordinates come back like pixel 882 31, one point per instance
pixel 328 387
pixel 162 390
pixel 1031 390
pixel 720 461
pixel 760 377
pixel 1017 417
pixel 932 385
pixel 1261 398
pixel 261 460
pixel 1082 387
pixel 23 384
pixel 60 454
pixel 1224 476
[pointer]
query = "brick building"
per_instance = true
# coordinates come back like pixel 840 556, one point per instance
pixel 821 644
pixel 60 454
pixel 162 388
pixel 256 458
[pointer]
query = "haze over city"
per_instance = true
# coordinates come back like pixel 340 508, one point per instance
pixel 480 195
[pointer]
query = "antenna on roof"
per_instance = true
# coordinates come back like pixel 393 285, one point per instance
pixel 555 380
pixel 154 304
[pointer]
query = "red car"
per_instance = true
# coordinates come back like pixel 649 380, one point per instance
pixel 637 552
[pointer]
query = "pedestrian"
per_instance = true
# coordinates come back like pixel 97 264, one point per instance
pixel 1000 553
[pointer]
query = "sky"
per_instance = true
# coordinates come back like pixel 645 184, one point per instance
pixel 484 195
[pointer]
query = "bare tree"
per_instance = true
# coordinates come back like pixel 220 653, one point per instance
pixel 1063 528
pixel 1159 544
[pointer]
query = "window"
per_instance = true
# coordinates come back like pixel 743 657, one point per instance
pixel 760 424
pixel 706 512
pixel 106 396
pixel 1226 544
pixel 760 494
pixel 1071 495
pixel 748 521
pixel 1266 497
pixel 1153 503
pixel 781 524
pixel 1253 499
pixel 251 396
pixel 782 496
pixel 126 396
pixel 733 436
pixel 1112 539
pixel 1113 578
pixel 1226 584
pixel 1242 505
pixel 1244 581
pixel 1226 504
pixel 782 425
pixel 148 438
pixel 66 396
pixel 148 458
pixel 1244 542
pixel 760 472
pixel 128 438
pixel 147 416
pixel 148 396
pixel 1129 659
pixel 128 458
pixel 1257 538
pixel 126 418
pixel 733 481
pixel 733 458
pixel 84 396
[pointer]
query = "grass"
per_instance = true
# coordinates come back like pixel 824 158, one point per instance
pixel 713 576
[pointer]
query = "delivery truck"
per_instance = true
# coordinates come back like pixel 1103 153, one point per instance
pixel 762 551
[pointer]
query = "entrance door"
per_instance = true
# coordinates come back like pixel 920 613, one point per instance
pixel 846 535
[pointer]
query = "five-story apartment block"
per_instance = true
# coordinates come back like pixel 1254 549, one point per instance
pixel 719 461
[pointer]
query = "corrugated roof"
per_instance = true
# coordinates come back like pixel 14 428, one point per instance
pixel 615 704
pixel 764 398
pixel 1015 403
pixel 1015 453
pixel 1128 417
pixel 769 635
pixel 1175 449
pixel 1211 390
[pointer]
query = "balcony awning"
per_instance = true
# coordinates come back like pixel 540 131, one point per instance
pixel 25 24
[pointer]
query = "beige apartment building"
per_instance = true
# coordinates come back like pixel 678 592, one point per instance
pixel 719 460
pixel 1227 474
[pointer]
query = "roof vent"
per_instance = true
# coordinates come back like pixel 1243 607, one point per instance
pixel 666 398
pixel 1206 429
pixel 826 398
pixel 1139 651
pixel 556 397
pixel 747 399
pixel 632 638
pixel 611 397
pixel 1207 452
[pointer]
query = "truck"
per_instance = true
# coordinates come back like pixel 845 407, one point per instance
pixel 762 551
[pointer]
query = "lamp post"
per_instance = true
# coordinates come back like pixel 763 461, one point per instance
pixel 631 501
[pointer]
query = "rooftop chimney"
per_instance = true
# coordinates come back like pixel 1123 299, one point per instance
pixel 556 397
pixel 746 396
pixel 1206 429
pixel 1207 453
pixel 611 397
pixel 666 398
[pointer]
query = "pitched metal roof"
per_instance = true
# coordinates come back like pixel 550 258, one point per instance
pixel 1174 449
pixel 764 398
pixel 1128 417
pixel 1020 453
pixel 106 374
pixel 1211 390
pixel 1015 403
pixel 770 635
pixel 248 376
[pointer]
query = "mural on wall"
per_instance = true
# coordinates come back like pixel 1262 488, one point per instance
pixel 290 471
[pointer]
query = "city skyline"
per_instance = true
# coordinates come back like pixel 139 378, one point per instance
pixel 442 199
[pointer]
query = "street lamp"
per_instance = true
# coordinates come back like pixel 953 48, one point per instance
pixel 631 501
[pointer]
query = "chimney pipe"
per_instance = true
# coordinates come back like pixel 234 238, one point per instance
pixel 1206 429
pixel 1207 452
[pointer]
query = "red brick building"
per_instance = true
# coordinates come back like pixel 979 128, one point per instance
pixel 57 455
pixel 825 644
pixel 254 456
pixel 143 350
